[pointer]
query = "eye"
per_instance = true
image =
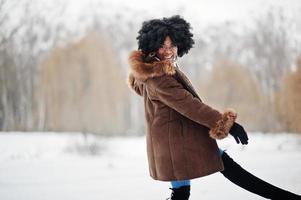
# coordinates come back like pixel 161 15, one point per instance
pixel 171 47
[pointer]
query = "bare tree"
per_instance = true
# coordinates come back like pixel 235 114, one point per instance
pixel 8 86
pixel 270 50
pixel 21 48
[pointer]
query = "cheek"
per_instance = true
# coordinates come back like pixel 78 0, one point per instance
pixel 160 53
pixel 175 52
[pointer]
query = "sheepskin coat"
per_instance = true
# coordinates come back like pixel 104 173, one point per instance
pixel 181 129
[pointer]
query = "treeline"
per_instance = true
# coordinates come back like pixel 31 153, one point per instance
pixel 288 100
pixel 231 84
pixel 82 88
pixel 248 66
pixel 55 80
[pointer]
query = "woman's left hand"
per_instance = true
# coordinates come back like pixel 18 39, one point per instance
pixel 239 133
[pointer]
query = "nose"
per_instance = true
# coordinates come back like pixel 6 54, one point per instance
pixel 168 50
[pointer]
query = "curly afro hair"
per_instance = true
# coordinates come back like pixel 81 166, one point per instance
pixel 153 33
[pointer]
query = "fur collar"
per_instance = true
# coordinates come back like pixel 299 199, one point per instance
pixel 143 71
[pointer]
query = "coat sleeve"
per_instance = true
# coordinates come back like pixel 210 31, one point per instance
pixel 170 92
pixel 135 85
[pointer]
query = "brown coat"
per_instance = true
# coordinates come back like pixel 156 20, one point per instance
pixel 181 129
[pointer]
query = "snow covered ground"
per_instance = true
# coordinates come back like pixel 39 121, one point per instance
pixel 65 166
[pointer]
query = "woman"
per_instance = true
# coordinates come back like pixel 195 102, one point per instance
pixel 181 129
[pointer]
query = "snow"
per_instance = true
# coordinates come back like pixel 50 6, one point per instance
pixel 44 166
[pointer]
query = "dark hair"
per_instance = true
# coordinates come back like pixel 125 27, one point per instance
pixel 153 33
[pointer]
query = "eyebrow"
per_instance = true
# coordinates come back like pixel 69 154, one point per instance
pixel 167 45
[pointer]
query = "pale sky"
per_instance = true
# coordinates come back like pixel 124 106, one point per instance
pixel 204 11
pixel 200 13
pixel 207 11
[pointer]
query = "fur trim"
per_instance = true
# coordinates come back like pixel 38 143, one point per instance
pixel 142 70
pixel 223 126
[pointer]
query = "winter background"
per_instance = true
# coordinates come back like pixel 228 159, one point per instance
pixel 71 129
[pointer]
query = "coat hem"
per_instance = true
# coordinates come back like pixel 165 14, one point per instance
pixel 186 177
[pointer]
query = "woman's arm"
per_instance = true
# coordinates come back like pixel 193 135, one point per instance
pixel 169 91
pixel 135 85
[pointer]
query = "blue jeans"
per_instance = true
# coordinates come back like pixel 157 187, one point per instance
pixel 178 184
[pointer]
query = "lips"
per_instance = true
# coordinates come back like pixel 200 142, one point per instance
pixel 168 57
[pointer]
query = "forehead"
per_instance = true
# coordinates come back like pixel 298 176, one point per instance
pixel 167 41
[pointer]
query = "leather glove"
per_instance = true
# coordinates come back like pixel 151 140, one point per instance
pixel 239 133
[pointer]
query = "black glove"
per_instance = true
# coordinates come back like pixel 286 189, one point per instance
pixel 239 133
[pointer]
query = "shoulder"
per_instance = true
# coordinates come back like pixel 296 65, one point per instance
pixel 161 81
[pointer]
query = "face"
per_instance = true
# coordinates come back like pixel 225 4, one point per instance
pixel 168 51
